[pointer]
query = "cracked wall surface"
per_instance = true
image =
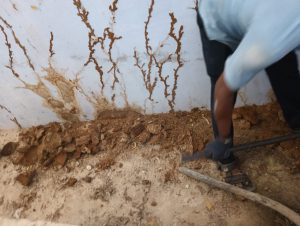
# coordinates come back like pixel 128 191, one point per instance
pixel 70 60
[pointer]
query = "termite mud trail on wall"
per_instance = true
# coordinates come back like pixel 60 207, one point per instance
pixel 112 38
pixel 177 38
pixel 65 106
pixel 108 37
pixel 12 117
pixel 93 40
pixel 10 53
pixel 151 78
pixel 150 85
pixel 51 52
pixel 17 41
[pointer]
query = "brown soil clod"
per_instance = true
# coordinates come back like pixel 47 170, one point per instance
pixel 26 179
pixel 154 128
pixel 250 116
pixel 144 137
pixel 106 162
pixel 137 130
pixel 153 203
pixel 32 156
pixel 87 179
pixel 95 139
pixel 61 158
pixel 82 140
pixel 70 148
pixel 71 182
pixel 67 138
pixel 146 182
pixel 244 124
pixel 8 148
pixel 77 154
pixel 52 140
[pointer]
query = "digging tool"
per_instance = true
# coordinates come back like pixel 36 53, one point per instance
pixel 243 147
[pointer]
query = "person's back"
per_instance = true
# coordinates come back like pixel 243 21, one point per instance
pixel 260 33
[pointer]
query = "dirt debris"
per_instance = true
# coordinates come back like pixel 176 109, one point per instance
pixel 61 158
pixel 137 129
pixel 114 131
pixel 71 182
pixel 129 182
pixel 26 178
pixel 154 128
pixel 106 162
pixel 117 221
pixel 8 148
pixel 104 192
pixel 87 179
pixel 153 203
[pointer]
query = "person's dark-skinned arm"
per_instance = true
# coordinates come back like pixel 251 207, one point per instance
pixel 224 97
pixel 223 108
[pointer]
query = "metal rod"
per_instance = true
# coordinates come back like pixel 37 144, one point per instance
pixel 265 142
pixel 244 147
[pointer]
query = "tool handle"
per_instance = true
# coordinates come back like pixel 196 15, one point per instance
pixel 265 142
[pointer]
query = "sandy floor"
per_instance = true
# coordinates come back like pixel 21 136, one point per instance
pixel 142 187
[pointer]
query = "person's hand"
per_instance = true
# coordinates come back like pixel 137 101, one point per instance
pixel 217 150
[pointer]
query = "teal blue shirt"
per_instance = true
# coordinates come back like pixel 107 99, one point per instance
pixel 260 32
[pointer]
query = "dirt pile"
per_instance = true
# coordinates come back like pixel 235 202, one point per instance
pixel 56 143
pixel 115 131
pixel 126 164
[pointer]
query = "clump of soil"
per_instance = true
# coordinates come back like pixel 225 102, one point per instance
pixel 8 148
pixel 26 179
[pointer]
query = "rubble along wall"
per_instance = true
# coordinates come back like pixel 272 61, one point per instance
pixel 69 60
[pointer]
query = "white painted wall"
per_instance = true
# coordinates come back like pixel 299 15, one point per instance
pixel 33 20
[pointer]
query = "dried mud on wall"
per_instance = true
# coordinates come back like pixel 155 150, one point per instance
pixel 153 68
pixel 65 106
pixel 146 68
